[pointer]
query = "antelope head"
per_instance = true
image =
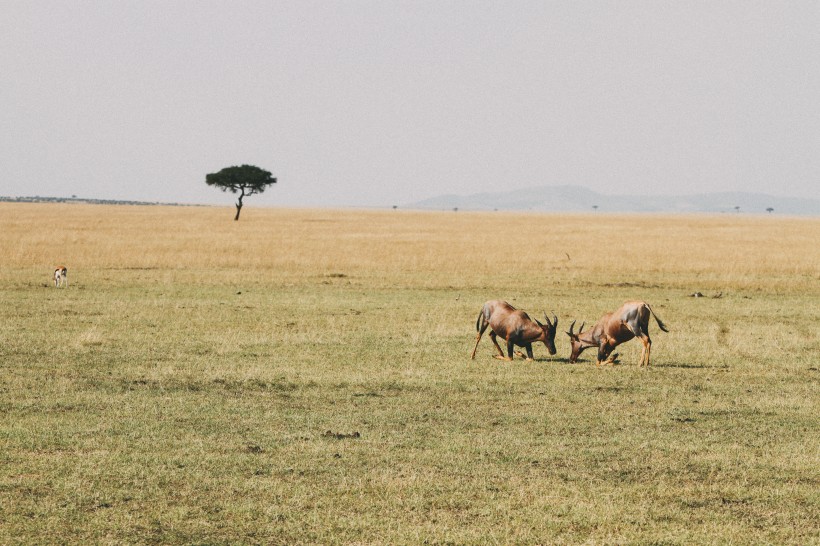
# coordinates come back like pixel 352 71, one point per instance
pixel 549 330
pixel 578 345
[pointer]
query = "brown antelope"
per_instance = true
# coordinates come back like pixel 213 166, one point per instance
pixel 514 326
pixel 631 320
pixel 61 276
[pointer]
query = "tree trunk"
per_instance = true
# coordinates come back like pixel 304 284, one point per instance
pixel 239 204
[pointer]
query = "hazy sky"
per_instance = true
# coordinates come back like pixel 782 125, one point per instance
pixel 381 103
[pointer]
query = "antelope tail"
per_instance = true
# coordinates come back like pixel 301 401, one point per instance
pixel 661 325
pixel 478 320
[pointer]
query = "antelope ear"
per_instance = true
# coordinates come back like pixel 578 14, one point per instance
pixel 539 324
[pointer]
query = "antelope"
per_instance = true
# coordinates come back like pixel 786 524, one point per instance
pixel 61 276
pixel 630 320
pixel 516 327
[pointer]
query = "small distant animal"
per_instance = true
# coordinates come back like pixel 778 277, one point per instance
pixel 700 295
pixel 61 276
pixel 630 320
pixel 515 327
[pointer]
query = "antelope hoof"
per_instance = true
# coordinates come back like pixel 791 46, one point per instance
pixel 612 360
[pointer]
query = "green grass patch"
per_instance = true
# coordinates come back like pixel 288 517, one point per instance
pixel 335 401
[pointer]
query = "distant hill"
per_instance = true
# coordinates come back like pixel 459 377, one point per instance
pixel 580 199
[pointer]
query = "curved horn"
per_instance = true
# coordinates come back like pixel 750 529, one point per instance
pixel 551 325
pixel 581 329
pixel 554 320
pixel 571 326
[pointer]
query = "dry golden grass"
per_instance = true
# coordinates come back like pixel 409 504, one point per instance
pixel 449 247
pixel 181 389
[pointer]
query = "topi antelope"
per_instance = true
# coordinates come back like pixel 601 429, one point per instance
pixel 516 327
pixel 61 276
pixel 631 320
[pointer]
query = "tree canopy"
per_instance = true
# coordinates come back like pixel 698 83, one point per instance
pixel 245 180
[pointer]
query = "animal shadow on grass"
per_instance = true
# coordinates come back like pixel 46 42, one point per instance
pixel 537 360
pixel 689 365
pixel 562 360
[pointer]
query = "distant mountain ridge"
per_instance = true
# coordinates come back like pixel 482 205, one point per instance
pixel 581 199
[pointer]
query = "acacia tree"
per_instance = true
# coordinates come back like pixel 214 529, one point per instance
pixel 245 180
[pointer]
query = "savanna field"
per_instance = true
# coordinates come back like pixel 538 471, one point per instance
pixel 304 377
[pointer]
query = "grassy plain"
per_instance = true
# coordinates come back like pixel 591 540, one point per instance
pixel 303 376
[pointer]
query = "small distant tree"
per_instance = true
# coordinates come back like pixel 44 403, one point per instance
pixel 770 210
pixel 245 180
pixel 737 208
pixel 595 207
